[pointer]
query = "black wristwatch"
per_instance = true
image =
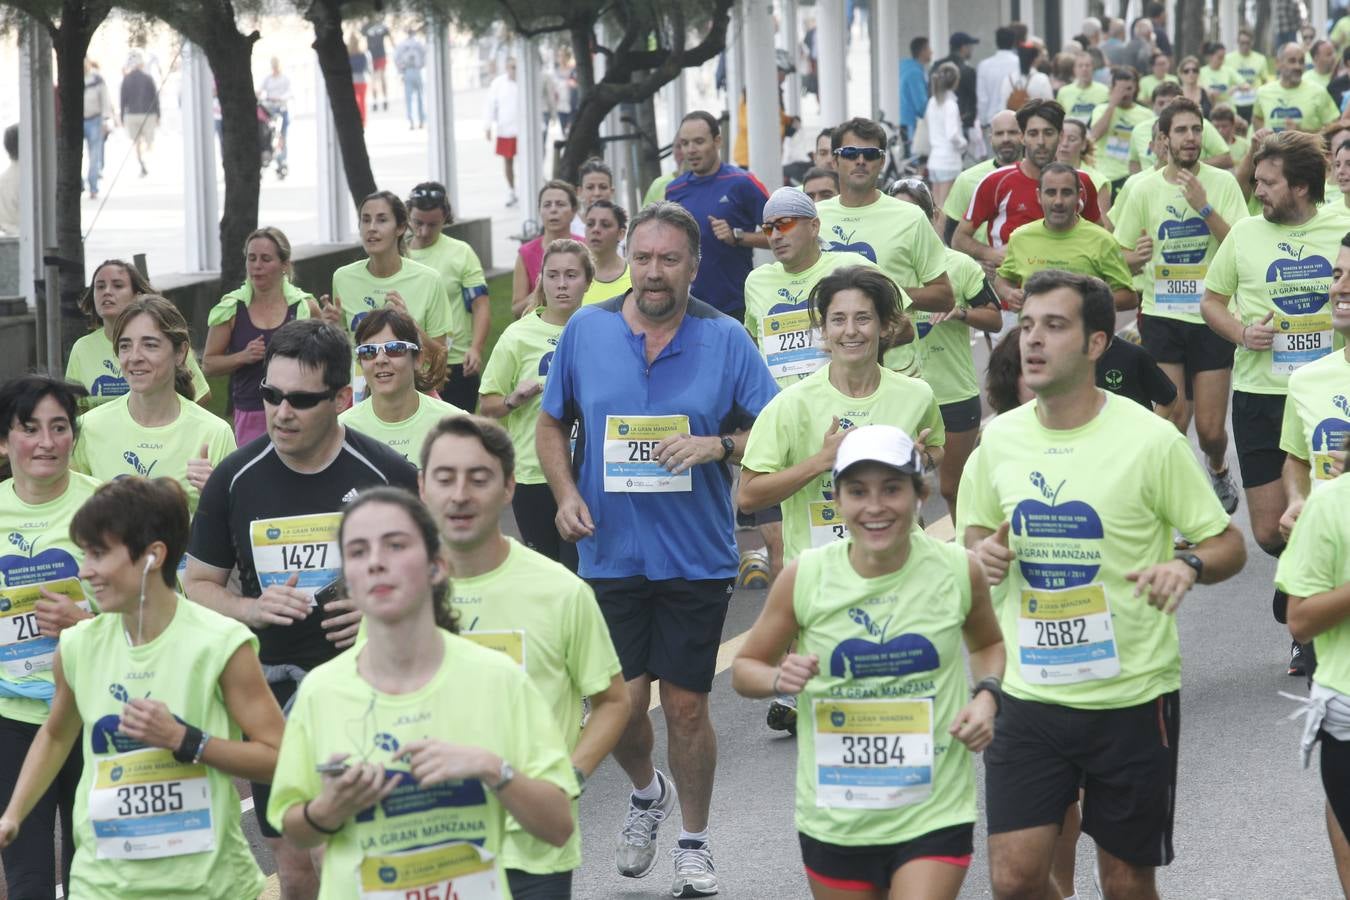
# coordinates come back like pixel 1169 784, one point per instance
pixel 1195 563
pixel 994 685
pixel 728 448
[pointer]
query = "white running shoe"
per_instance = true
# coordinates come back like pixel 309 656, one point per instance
pixel 694 872
pixel 636 853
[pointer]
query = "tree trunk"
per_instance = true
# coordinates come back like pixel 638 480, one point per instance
pixel 228 54
pixel 1261 31
pixel 1190 30
pixel 326 18
pixel 649 152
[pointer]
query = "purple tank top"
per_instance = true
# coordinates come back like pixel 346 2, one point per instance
pixel 245 381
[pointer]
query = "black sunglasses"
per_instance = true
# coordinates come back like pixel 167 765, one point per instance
pixel 871 154
pixel 297 399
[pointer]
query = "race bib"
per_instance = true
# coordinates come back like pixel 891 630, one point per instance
pixel 1065 636
pixel 1299 340
pixel 630 454
pixel 1244 95
pixel 455 871
pixel 1118 144
pixel 827 525
pixel 873 754
pixel 512 643
pixel 23 649
pixel 144 804
pixel 790 345
pixel 297 545
pixel 1178 289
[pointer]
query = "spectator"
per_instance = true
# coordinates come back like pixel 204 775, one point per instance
pixel 276 97
pixel 945 134
pixel 1139 51
pixel 503 114
pixel 98 121
pixel 962 46
pixel 410 56
pixel 1027 80
pixel 360 64
pixel 140 108
pixel 914 84
pixel 564 76
pixel 1157 14
pixel 1091 32
pixel 376 33
pixel 9 184
pixel 1114 46
pixel 989 74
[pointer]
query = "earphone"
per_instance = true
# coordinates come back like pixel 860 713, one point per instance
pixel 149 561
pixel 140 610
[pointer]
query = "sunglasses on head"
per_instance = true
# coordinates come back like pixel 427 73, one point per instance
pixel 784 225
pixel 392 349
pixel 297 399
pixel 871 154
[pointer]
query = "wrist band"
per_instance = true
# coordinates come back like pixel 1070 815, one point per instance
pixel 187 749
pixel 994 685
pixel 309 820
pixel 1244 336
pixel 201 748
pixel 776 675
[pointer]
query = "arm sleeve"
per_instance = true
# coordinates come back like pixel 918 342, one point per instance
pixel 768 448
pixel 1009 268
pixel 979 504
pixel 929 253
pixel 982 205
pixel 1091 206
pixel 932 420
pixel 755 387
pixel 1126 217
pixel 211 541
pixel 438 310
pixel 1309 564
pixel 1111 264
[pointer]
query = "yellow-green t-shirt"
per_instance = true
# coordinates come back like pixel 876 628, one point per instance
pixel 547 621
pixel 1086 248
pixel 1220 82
pixel 477 698
pixel 1079 102
pixel 958 199
pixel 944 349
pixel 38 552
pixel 792 428
pixel 1312 76
pixel 112 444
pixel 891 675
pixel 524 350
pixel 1317 414
pixel 778 315
pixel 1141 143
pixel 1308 105
pixel 421 287
pixel 462 277
pixel 1285 270
pixel 1252 70
pixel 1075 631
pixel 1113 147
pixel 403 437
pixel 1317 560
pixel 94 364
pixel 1149 83
pixel 1182 243
pixel 600 291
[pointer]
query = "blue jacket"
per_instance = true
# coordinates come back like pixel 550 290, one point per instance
pixel 913 93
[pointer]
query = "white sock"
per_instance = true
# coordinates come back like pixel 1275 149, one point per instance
pixel 651 791
pixel 699 836
pixel 1071 897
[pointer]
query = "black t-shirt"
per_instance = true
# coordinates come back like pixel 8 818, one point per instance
pixel 253 498
pixel 1128 369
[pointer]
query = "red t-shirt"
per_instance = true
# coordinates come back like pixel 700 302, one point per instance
pixel 1007 198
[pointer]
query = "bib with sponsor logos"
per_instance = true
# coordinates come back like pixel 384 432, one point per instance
pixel 1299 340
pixel 297 545
pixel 827 524
pixel 630 454
pixel 144 804
pixel 23 649
pixel 873 754
pixel 453 871
pixel 790 344
pixel 1065 636
pixel 512 643
pixel 1178 289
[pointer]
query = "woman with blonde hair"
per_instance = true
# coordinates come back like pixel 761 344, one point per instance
pixel 946 137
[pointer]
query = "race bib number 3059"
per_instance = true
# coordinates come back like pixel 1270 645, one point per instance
pixel 1177 289
pixel 630 454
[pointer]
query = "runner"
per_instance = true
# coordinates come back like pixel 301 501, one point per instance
pixel 1292 103
pixel 42 596
pixel 1006 136
pixel 948 364
pixel 1082 95
pixel 820 184
pixel 1063 240
pixel 660 413
pixel 465 289
pixel 1183 213
pixel 367 771
pixel 727 202
pixel 558 207
pixel 595 182
pixel 1102 712
pixel 1113 125
pixel 1214 150
pixel 515 600
pixel 605 227
pixel 161 747
pixel 245 319
pixel 1218 79
pixel 271 510
pixel 513 385
pixel 402 407
pixel 1253 70
pixel 886 836
pixel 1160 71
pixel 93 359
pixel 155 429
pixel 1076 150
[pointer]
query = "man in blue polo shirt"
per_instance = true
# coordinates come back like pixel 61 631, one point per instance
pixel 647 497
pixel 727 202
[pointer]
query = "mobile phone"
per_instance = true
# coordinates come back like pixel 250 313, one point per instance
pixel 328 593
pixel 331 768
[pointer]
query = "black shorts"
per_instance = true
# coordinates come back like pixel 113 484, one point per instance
pixel 1125 760
pixel 1257 420
pixel 528 886
pixel 461 390
pixel 668 629
pixel 759 517
pixel 963 415
pixel 870 866
pixel 1191 345
pixel 261 793
pixel 1335 768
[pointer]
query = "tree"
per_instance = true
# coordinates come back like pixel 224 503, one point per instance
pixel 326 17
pixel 649 51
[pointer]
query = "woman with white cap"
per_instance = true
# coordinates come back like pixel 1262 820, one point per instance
pixel 885 780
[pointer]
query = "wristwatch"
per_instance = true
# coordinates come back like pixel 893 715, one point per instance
pixel 736 235
pixel 728 448
pixel 1205 211
pixel 504 777
pixel 1194 562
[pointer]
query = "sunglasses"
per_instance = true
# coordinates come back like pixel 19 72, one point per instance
pixel 871 154
pixel 297 399
pixel 1189 71
pixel 392 349
pixel 783 225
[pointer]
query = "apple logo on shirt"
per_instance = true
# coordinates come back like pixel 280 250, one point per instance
pixel 1332 434
pixel 1056 542
pixel 1179 227
pixel 1298 284
pixel 846 244
pixel 31 566
pixel 877 657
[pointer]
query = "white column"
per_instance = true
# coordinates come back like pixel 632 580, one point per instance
pixel 37 164
pixel 761 91
pixel 1318 10
pixel 336 214
pixel 1228 24
pixel 530 154
pixel 1071 16
pixel 201 207
pixel 938 34
pixel 735 55
pixel 830 57
pixel 439 97
pixel 1027 15
pixel 789 35
pixel 886 49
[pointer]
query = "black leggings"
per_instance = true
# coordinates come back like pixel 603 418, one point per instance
pixel 535 513
pixel 30 865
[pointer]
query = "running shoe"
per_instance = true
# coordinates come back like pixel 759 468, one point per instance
pixel 754 570
pixel 1296 661
pixel 783 714
pixel 1225 490
pixel 694 872
pixel 636 853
